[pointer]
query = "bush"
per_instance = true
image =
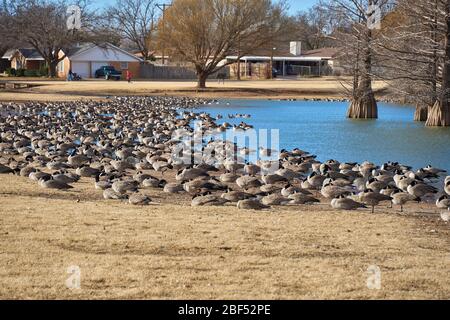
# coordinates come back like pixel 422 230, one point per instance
pixel 43 71
pixel 20 72
pixel 31 73
pixel 11 72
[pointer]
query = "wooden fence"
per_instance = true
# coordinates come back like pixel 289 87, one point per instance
pixel 155 72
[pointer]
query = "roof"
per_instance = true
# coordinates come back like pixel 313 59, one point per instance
pixel 27 53
pixel 283 53
pixel 83 48
pixel 33 54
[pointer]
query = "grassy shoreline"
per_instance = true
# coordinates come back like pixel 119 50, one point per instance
pixel 328 88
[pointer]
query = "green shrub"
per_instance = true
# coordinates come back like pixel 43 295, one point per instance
pixel 10 72
pixel 20 72
pixel 31 73
pixel 43 71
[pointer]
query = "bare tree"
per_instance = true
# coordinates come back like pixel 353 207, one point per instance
pixel 204 32
pixel 5 21
pixel 135 21
pixel 313 27
pixel 416 57
pixel 43 25
pixel 357 36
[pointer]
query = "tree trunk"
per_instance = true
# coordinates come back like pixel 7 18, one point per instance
pixel 439 114
pixel 201 83
pixel 421 113
pixel 363 104
pixel 238 70
pixel 52 69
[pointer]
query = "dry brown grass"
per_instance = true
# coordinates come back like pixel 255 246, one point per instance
pixel 96 89
pixel 178 252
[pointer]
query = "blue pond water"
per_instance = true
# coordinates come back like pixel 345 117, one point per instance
pixel 322 128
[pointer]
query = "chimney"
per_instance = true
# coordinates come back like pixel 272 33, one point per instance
pixel 296 48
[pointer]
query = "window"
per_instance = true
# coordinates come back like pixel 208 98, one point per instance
pixel 124 65
pixel 61 66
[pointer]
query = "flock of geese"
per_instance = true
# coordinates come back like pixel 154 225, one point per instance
pixel 127 145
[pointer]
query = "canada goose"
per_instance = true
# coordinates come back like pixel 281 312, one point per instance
pixel 173 188
pixel 251 204
pixel 343 203
pixel 447 187
pixel 66 177
pixel 330 191
pixel 270 188
pixel 190 174
pixel 443 202
pixel 87 172
pixel 290 189
pixel 77 160
pixel 375 185
pixel 101 185
pixel 434 170
pixel 207 200
pixel 110 194
pixel 228 178
pixel 235 196
pixel 25 172
pixel 121 165
pixel 316 180
pixel 273 178
pixel 299 198
pixel 138 199
pixel 49 183
pixel 420 190
pixel 252 169
pixel 124 186
pixel 274 200
pixel 38 175
pixel 400 198
pixel 371 198
pixel 152 182
pixel 246 182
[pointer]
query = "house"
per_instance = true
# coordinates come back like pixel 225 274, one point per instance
pixel 25 58
pixel 83 59
pixel 287 60
pixel 87 58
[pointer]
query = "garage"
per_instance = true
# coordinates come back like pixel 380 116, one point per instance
pixel 97 65
pixel 82 69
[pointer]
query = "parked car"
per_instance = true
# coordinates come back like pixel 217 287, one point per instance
pixel 108 72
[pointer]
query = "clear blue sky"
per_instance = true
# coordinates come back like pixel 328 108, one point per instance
pixel 295 5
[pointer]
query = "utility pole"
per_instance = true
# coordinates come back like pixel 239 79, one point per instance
pixel 163 7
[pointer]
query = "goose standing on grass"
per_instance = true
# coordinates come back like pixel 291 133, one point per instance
pixel 400 198
pixel 372 198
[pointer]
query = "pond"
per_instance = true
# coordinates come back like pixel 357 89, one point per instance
pixel 322 128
